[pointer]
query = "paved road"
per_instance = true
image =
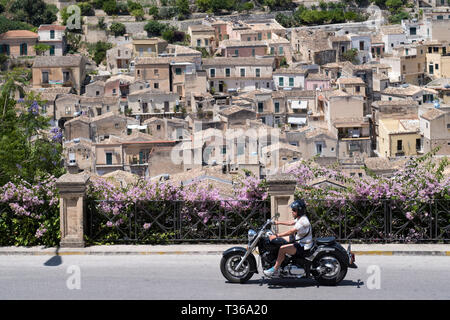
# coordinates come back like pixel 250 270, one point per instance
pixel 198 277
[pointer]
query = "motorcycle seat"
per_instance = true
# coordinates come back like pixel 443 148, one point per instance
pixel 325 241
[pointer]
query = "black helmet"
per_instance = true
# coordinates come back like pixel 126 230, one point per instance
pixel 299 206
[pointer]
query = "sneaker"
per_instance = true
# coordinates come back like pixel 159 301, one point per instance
pixel 272 272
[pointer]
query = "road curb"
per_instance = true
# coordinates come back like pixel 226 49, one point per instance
pixel 118 253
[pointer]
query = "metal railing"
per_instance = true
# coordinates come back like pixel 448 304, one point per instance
pixel 385 221
pixel 368 221
pixel 173 221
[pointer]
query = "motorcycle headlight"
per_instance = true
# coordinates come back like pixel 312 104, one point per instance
pixel 251 235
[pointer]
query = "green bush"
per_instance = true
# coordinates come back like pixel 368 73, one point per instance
pixel 118 29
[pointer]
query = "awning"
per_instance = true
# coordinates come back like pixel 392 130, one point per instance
pixel 296 104
pixel 298 120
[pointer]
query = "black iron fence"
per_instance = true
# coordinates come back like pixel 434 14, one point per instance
pixel 151 222
pixel 173 221
pixel 381 221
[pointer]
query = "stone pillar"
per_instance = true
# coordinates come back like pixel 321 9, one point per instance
pixel 72 188
pixel 281 190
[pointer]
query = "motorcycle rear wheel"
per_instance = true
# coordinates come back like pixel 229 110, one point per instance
pixel 228 264
pixel 337 272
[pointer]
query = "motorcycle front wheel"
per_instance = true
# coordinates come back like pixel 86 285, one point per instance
pixel 228 267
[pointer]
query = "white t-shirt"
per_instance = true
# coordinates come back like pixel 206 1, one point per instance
pixel 304 228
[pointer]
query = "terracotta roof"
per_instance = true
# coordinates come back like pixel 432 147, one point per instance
pixel 57 61
pixel 44 27
pixel 201 27
pixel 12 34
pixel 432 114
pixel 222 61
pixel 350 80
pixel 317 77
pixel 392 29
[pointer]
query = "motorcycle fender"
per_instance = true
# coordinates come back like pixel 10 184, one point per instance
pixel 319 250
pixel 251 258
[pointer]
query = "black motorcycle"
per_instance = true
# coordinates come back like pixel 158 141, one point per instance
pixel 327 261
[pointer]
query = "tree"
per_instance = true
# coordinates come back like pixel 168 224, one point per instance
pixel 138 14
pixel 351 55
pixel 41 48
pixel 98 51
pixel 110 7
pixel 27 149
pixel 86 9
pixel 34 12
pixel 183 7
pixel 101 23
pixel 154 28
pixel 118 29
pixel 153 11
pixel 73 42
pixel 248 6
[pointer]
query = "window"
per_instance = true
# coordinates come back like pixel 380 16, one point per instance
pixel 23 49
pixel 258 72
pixel 418 144
pixel 280 50
pixel 68 109
pixel 97 93
pixel 178 71
pixel 253 52
pixel 440 17
pixel 242 72
pixel 260 107
pixel 406 51
pixel 52 50
pixel 399 145
pixel 199 43
pixel 155 72
pixel 52 34
pixel 44 109
pixel 141 52
pixel 44 77
pixel 412 31
pixel 319 148
pixel 259 36
pixel 66 76
pixel 361 45
pixel 227 72
pixel 272 50
pixel 206 42
pixel 358 89
pixel 436 66
pixel 156 85
pixel 281 81
pixel 269 35
pixel 212 73
pixel 291 82
pixel 158 127
pixel 108 157
pixel 236 52
pixel 277 107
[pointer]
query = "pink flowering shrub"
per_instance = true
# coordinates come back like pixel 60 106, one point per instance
pixel 374 208
pixel 148 211
pixel 29 214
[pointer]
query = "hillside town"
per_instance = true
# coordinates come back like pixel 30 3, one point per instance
pixel 240 92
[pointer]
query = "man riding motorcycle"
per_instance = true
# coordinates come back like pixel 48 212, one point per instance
pixel 300 244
